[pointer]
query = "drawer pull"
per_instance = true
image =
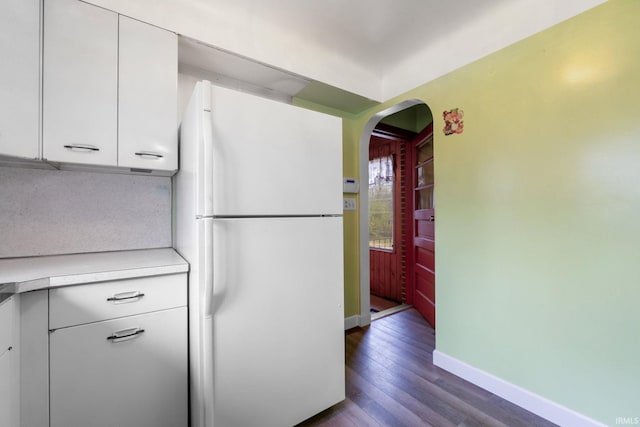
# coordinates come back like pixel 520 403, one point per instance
pixel 82 147
pixel 125 335
pixel 149 155
pixel 125 297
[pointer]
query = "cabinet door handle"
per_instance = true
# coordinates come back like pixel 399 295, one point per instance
pixel 86 148
pixel 125 297
pixel 125 335
pixel 149 155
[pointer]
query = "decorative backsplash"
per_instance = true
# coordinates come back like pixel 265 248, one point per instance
pixel 50 212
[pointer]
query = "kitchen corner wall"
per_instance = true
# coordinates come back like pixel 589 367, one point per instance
pixel 50 212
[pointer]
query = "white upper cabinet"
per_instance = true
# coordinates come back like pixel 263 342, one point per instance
pixel 109 89
pixel 80 83
pixel 147 107
pixel 19 77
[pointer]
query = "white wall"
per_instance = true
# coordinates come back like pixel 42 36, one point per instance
pixel 48 212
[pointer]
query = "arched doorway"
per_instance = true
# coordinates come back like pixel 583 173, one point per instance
pixel 397 241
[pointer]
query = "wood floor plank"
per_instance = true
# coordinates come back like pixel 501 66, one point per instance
pixel 394 358
pixel 397 334
pixel 424 414
pixel 348 414
pixel 391 381
pixel 416 345
pixel 359 417
pixel 388 398
pixel 428 393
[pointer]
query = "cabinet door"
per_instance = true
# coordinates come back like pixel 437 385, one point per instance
pixel 19 77
pixel 147 115
pixel 33 363
pixel 6 394
pixel 80 83
pixel 140 380
pixel 6 325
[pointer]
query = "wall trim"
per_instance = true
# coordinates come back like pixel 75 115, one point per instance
pixel 351 322
pixel 355 321
pixel 517 395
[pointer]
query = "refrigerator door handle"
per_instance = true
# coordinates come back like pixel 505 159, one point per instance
pixel 205 155
pixel 208 269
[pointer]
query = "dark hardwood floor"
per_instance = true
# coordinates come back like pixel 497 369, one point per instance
pixel 391 381
pixel 380 304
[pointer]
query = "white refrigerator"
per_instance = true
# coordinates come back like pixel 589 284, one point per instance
pixel 258 216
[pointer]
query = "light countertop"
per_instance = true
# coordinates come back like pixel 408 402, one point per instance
pixel 19 275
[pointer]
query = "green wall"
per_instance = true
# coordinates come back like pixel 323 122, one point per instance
pixel 351 230
pixel 538 207
pixel 413 119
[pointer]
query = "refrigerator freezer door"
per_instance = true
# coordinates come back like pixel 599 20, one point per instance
pixel 192 183
pixel 278 320
pixel 272 158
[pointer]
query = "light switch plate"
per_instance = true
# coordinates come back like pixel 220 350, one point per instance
pixel 349 204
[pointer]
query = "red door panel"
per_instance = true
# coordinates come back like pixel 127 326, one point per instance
pixel 425 229
pixel 426 284
pixel 424 298
pixel 425 259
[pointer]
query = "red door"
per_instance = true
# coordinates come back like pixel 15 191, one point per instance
pixel 424 296
pixel 385 256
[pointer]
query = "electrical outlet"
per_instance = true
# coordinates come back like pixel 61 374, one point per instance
pixel 349 204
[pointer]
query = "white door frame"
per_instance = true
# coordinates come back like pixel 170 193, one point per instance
pixel 365 303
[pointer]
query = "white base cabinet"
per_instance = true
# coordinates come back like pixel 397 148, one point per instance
pixel 108 354
pixel 9 389
pixel 130 371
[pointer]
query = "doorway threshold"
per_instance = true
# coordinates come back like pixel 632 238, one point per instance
pixel 389 311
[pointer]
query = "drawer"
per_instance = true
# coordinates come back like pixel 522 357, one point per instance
pixel 76 305
pixel 134 367
pixel 6 325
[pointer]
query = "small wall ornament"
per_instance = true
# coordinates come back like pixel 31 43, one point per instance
pixel 453 121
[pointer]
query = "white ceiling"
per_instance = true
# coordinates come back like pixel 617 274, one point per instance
pixel 372 49
pixel 373 33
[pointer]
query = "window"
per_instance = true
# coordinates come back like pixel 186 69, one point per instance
pixel 381 203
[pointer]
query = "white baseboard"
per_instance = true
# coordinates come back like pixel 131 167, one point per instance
pixel 532 402
pixel 351 322
pixel 355 321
